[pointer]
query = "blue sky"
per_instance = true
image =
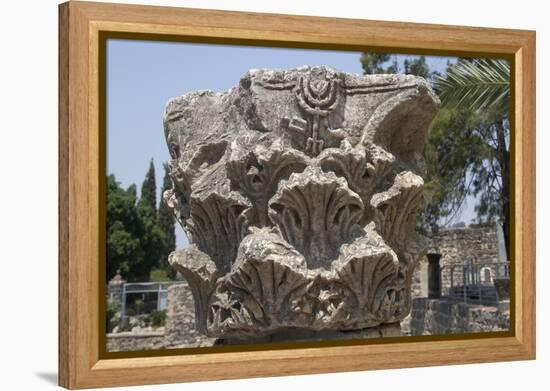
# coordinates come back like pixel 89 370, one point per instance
pixel 143 75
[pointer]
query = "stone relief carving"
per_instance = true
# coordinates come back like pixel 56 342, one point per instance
pixel 299 190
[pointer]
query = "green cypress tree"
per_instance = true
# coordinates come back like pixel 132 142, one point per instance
pixel 149 189
pixel 166 223
pixel 151 236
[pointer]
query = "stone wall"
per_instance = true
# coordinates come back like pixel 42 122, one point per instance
pixel 129 341
pixel 456 245
pixel 442 316
pixel 419 284
pixel 179 330
pixel 428 316
pixel 180 319
pixel 464 244
pixel 447 316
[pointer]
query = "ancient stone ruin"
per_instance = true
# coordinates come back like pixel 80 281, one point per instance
pixel 298 191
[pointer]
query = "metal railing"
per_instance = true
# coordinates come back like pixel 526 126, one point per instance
pixel 472 280
pixel 158 301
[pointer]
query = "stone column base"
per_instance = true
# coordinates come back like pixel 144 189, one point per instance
pixel 302 335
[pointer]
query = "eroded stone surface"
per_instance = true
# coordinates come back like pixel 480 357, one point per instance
pixel 298 190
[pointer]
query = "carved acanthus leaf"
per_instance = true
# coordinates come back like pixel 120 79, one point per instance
pixel 370 268
pixel 316 212
pixel 263 278
pixel 395 209
pixel 256 167
pixel 201 274
pixel 363 167
pixel 218 222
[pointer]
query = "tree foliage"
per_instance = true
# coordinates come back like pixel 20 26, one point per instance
pixel 152 239
pixel 483 87
pixel 166 223
pixel 149 189
pixel 124 228
pixel 373 63
pixel 380 63
pixel 477 84
pixel 417 67
pixel 467 151
pixel 138 237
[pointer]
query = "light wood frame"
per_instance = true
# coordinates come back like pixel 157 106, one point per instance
pixel 81 162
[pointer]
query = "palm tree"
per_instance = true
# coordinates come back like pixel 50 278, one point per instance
pixel 483 87
pixel 477 84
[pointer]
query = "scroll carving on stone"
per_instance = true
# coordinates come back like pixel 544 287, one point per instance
pixel 299 190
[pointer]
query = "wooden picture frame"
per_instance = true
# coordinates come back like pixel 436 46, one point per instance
pixel 83 27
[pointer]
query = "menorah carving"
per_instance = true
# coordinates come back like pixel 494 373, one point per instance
pixel 298 191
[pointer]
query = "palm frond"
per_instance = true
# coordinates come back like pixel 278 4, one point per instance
pixel 477 85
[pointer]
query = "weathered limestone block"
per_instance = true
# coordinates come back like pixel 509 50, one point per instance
pixel 450 316
pixel 299 190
